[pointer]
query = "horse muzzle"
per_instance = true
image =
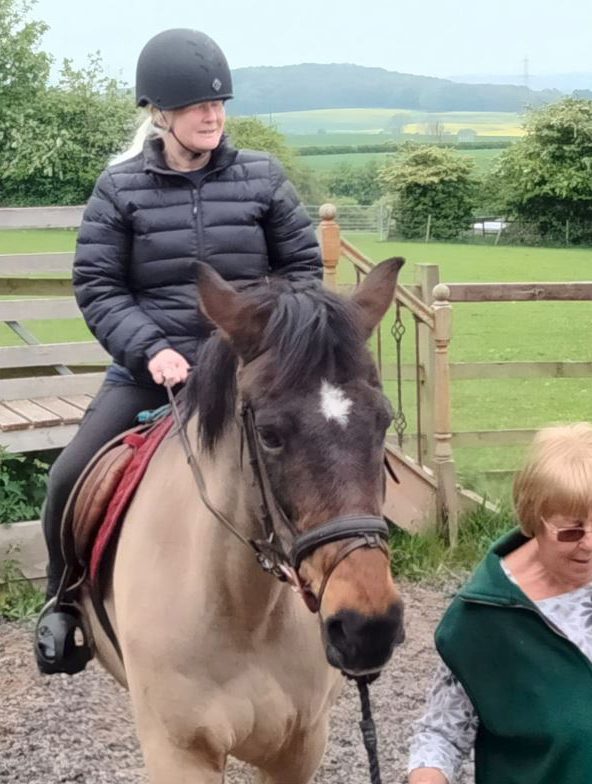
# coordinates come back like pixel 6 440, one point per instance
pixel 360 645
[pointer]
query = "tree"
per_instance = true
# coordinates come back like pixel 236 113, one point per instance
pixel 252 134
pixel 54 140
pixel 360 183
pixel 24 71
pixel 79 125
pixel 396 124
pixel 546 177
pixel 427 181
pixel 435 129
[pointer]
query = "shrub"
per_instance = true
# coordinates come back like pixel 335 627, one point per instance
pixel 22 486
pixel 430 181
pixel 19 597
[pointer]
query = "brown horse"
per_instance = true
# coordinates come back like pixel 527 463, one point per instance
pixel 220 658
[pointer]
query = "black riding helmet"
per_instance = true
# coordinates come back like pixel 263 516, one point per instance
pixel 177 68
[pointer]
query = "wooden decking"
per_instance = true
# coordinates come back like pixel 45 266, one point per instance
pixel 45 388
pixel 47 422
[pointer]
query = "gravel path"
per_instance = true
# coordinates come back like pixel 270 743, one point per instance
pixel 62 730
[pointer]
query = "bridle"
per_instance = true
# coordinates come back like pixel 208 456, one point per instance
pixel 274 558
pixel 363 531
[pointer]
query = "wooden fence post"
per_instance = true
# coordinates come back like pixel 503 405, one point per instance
pixel 329 240
pixel 427 277
pixel 444 466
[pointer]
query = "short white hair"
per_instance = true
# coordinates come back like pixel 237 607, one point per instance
pixel 556 477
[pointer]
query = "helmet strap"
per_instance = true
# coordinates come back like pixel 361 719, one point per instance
pixel 168 127
pixel 194 153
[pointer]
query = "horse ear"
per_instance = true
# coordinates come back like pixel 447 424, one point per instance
pixel 375 293
pixel 230 310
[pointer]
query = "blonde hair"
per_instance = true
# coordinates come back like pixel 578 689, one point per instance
pixel 148 128
pixel 556 477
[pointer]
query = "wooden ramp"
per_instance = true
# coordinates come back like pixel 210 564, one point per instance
pixel 412 504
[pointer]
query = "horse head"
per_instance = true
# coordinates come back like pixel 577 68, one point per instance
pixel 304 379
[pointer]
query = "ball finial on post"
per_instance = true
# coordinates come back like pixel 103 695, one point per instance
pixel 441 292
pixel 327 212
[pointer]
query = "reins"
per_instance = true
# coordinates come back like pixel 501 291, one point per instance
pixel 197 475
pixel 270 554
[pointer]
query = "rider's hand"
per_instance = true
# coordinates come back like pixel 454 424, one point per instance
pixel 427 776
pixel 168 367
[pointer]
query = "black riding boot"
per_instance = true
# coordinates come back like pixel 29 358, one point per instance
pixel 62 643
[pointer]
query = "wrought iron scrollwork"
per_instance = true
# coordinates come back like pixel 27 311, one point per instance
pixel 399 420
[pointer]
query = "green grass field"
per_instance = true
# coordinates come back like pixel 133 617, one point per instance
pixel 42 241
pixel 331 127
pixel 37 241
pixel 373 121
pixel 540 331
pixel 483 160
pixel 487 332
pixel 332 138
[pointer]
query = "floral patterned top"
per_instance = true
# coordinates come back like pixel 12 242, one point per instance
pixel 444 736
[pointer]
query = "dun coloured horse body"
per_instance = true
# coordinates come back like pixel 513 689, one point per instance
pixel 219 657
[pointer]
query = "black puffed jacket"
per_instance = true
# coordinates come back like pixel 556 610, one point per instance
pixel 145 226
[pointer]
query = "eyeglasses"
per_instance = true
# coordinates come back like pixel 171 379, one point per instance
pixel 572 534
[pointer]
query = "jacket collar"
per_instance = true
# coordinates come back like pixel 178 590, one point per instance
pixel 154 161
pixel 489 582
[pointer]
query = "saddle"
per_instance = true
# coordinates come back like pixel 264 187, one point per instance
pixel 91 507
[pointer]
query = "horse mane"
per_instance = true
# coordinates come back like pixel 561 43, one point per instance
pixel 311 334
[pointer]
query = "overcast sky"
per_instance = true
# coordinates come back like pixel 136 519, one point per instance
pixel 431 37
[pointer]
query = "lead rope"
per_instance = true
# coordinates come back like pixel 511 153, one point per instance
pixel 368 730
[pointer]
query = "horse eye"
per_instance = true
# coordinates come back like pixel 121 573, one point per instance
pixel 270 438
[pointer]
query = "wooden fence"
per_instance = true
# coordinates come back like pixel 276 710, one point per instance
pixel 44 389
pixel 373 219
pixel 427 303
pixel 435 441
pixel 37 286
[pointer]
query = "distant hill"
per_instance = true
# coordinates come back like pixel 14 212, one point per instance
pixel 565 82
pixel 313 86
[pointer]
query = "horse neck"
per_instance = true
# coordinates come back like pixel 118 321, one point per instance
pixel 244 588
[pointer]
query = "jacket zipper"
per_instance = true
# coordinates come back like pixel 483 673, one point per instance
pixel 544 619
pixel 196 209
pixel 197 212
pixel 197 220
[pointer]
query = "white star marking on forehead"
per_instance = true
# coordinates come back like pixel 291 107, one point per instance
pixel 334 404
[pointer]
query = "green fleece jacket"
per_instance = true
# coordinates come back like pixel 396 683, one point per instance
pixel 530 686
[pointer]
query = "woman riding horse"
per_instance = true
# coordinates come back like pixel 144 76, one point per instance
pixel 186 195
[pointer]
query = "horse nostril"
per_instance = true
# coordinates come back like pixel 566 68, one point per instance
pixel 336 632
pixel 358 642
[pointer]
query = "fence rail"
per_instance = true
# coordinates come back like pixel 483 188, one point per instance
pixel 41 217
pixel 464 371
pixel 520 292
pixel 421 316
pixel 491 231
